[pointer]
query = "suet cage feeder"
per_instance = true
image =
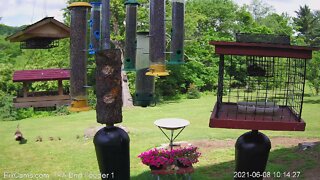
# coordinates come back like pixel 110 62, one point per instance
pixel 260 86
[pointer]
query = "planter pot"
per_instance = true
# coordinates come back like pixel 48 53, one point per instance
pixel 155 167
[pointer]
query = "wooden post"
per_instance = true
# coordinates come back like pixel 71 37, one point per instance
pixel 25 89
pixel 109 86
pixel 60 87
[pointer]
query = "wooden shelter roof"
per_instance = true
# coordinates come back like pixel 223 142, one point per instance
pixel 46 28
pixel 41 75
pixel 262 49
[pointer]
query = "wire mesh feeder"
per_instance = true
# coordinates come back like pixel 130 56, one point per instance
pixel 261 86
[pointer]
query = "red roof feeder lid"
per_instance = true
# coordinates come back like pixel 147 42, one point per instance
pixel 41 75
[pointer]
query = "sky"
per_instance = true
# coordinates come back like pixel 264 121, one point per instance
pixel 22 12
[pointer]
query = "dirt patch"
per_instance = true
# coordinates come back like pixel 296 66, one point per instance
pixel 275 141
pixel 312 174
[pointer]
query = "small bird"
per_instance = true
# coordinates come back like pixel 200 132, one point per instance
pixel 51 138
pixel 39 139
pixel 18 135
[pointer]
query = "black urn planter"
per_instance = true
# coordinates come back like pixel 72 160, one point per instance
pixel 252 152
pixel 112 150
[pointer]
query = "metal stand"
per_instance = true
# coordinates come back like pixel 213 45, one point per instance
pixel 171 139
pixel 171 124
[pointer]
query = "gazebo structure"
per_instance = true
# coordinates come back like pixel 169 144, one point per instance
pixel 42 98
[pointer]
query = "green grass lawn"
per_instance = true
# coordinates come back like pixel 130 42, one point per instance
pixel 72 155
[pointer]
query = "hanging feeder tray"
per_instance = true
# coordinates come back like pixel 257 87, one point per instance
pixel 269 93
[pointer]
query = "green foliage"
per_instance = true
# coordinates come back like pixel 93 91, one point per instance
pixel 313 73
pixel 6 84
pixel 307 25
pixel 61 111
pixel 23 113
pixel 92 99
pixel 278 24
pixel 8 30
pixel 260 9
pixel 11 50
pixel 7 111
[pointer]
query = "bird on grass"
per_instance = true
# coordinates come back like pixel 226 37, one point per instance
pixel 18 135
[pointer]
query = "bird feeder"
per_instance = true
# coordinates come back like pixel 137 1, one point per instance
pixel 261 86
pixel 157 39
pixel 145 85
pixel 131 30
pixel 41 99
pixel 177 34
pixel 41 35
pixel 78 56
pixel 94 24
pixel 105 24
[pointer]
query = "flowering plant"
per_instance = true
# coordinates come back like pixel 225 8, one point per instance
pixel 186 156
pixel 155 157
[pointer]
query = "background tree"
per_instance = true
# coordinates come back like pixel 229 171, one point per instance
pixel 313 73
pixel 260 9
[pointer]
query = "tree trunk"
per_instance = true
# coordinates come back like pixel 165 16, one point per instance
pixel 109 86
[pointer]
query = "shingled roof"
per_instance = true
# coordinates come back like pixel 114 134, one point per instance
pixel 45 28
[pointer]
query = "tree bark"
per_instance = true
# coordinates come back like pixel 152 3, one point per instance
pixel 109 86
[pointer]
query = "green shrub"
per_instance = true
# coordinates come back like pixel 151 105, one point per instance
pixel 92 99
pixel 23 113
pixel 193 92
pixel 7 111
pixel 61 111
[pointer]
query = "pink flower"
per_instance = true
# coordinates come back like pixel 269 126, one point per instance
pixel 154 157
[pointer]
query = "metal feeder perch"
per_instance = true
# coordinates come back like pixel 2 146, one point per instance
pixel 177 34
pixel 131 31
pixel 157 39
pixel 145 85
pixel 78 56
pixel 94 24
pixel 260 87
